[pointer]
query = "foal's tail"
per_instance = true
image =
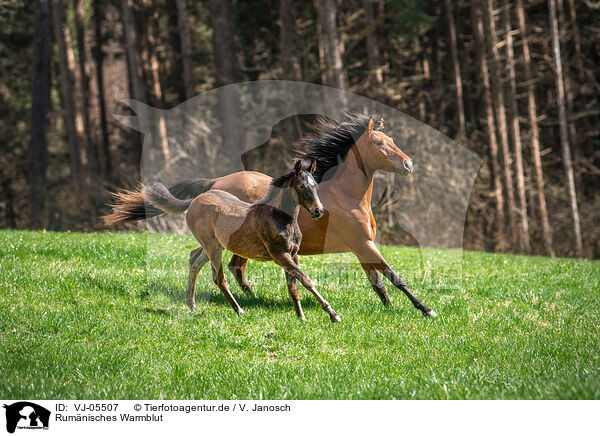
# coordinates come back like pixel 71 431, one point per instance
pixel 134 205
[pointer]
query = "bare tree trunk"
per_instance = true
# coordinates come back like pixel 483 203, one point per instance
pixel 186 49
pixel 174 60
pixel 104 154
pixel 513 122
pixel 226 71
pixel 66 81
pixel 133 55
pixel 460 106
pixel 134 63
pixel 323 56
pixel 563 125
pixel 499 220
pixel 156 84
pixel 288 41
pixel 91 149
pixel 500 104
pixel 373 56
pixel 434 36
pixel 225 53
pixel 568 84
pixel 576 40
pixel 39 105
pixel 534 132
pixel 327 14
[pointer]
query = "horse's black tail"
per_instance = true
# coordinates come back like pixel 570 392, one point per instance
pixel 191 188
pixel 159 196
pixel 131 205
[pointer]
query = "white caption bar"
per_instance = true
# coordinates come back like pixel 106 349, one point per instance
pixel 298 417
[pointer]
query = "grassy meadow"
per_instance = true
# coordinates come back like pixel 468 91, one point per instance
pixel 80 319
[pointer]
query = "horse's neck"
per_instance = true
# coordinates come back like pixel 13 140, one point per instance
pixel 282 199
pixel 354 177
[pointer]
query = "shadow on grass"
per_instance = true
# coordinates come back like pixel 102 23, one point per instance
pixel 177 296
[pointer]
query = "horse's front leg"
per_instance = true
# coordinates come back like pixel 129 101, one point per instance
pixel 293 291
pixel 287 263
pixel 237 267
pixel 368 253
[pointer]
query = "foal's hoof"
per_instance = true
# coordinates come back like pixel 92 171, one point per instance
pixel 335 317
pixel 240 311
pixel 191 305
pixel 430 314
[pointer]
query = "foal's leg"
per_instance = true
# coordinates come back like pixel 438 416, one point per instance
pixel 237 267
pixel 285 260
pixel 369 254
pixel 293 291
pixel 198 259
pixel 215 252
pixel 376 283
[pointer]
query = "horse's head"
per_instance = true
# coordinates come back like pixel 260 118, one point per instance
pixel 380 152
pixel 305 186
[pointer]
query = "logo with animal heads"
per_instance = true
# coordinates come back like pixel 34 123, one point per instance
pixel 26 415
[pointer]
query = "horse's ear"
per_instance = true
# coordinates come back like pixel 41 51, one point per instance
pixel 313 166
pixel 370 126
pixel 298 167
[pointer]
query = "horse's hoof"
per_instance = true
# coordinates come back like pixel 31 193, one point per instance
pixel 335 318
pixel 430 314
pixel 248 290
pixel 192 306
pixel 240 311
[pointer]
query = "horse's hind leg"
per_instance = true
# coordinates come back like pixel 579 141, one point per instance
pixel 198 259
pixel 237 267
pixel 376 283
pixel 215 255
pixel 294 294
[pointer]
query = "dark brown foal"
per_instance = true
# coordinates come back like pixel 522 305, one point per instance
pixel 265 230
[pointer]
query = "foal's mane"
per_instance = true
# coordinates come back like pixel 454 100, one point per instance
pixel 331 141
pixel 283 181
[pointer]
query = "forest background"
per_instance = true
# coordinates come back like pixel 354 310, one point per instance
pixel 516 82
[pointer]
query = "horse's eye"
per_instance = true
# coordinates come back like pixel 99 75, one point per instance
pixel 301 186
pixel 378 142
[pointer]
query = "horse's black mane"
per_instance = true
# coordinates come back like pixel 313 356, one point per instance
pixel 331 141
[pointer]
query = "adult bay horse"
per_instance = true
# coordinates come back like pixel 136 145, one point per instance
pixel 347 155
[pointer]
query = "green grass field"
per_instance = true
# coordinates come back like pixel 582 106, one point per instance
pixel 80 320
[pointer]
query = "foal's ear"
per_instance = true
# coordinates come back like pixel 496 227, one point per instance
pixel 370 126
pixel 313 166
pixel 298 167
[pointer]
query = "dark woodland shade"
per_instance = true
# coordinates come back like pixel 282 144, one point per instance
pixel 331 141
pixel 423 35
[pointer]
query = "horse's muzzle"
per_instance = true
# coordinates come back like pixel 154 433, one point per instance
pixel 317 212
pixel 406 168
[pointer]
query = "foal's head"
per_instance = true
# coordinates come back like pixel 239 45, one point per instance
pixel 380 151
pixel 305 188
